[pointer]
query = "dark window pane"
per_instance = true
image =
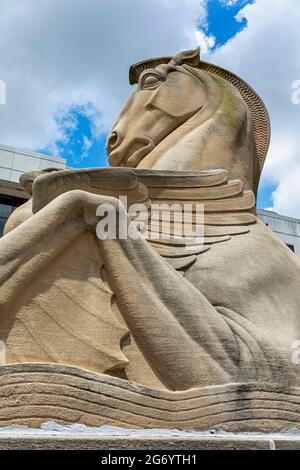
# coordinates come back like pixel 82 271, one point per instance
pixel 291 247
pixel 2 224
pixel 5 210
pixel 6 199
pixel 7 205
pixel 13 201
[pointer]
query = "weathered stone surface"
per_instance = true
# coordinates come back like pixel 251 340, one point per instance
pixel 216 82
pixel 155 331
pixel 129 443
pixel 36 393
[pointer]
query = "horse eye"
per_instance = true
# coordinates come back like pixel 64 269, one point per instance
pixel 150 81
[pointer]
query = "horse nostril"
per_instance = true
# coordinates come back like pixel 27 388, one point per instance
pixel 113 141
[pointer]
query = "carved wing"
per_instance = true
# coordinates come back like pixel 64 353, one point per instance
pixel 228 209
pixel 227 212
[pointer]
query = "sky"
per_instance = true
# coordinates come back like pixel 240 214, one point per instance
pixel 65 64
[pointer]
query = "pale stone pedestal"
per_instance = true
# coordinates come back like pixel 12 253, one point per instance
pixel 171 443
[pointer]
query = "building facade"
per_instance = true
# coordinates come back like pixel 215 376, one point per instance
pixel 13 163
pixel 286 228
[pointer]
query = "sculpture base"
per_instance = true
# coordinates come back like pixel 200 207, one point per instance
pixel 171 444
pixel 32 394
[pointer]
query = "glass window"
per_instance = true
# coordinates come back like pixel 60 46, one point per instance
pixel 291 247
pixel 2 224
pixel 7 205
pixel 5 210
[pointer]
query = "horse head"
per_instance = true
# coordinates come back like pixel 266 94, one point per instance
pixel 181 117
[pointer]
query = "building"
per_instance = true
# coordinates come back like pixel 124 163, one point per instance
pixel 14 162
pixel 286 228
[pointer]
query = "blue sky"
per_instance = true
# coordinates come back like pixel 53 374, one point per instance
pixel 74 148
pixel 223 24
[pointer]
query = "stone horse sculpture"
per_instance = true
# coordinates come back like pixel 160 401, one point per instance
pixel 155 331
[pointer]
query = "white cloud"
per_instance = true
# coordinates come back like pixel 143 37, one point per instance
pixel 267 55
pixel 287 195
pixel 87 144
pixel 206 43
pixel 58 54
pixel 229 3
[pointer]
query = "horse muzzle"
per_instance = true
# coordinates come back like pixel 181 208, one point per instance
pixel 122 153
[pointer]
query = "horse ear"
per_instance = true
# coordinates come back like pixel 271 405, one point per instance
pixel 191 58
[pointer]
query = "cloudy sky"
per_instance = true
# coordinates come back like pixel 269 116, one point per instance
pixel 65 64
